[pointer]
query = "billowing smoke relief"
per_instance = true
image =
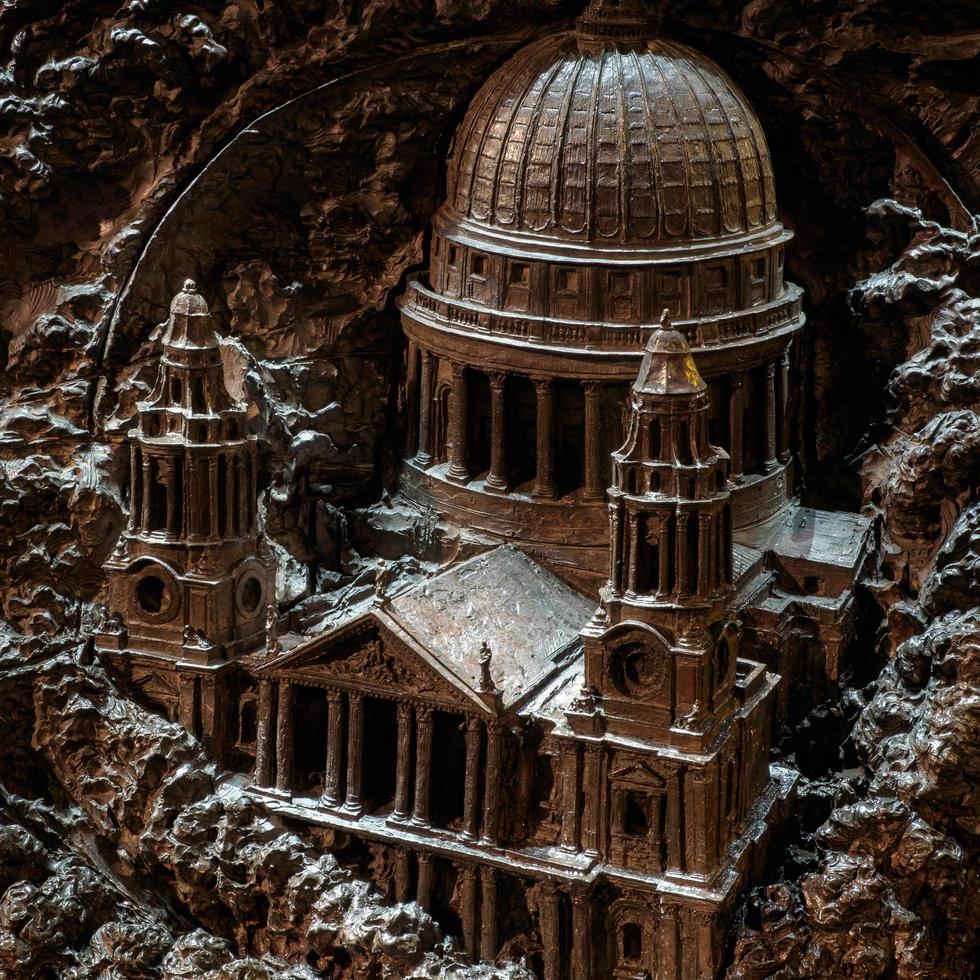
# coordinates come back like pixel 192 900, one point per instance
pixel 489 491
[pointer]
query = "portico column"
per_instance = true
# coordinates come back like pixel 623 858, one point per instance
pixel 458 422
pixel 423 889
pixel 488 914
pixel 497 477
pixel 423 457
pixel 548 927
pixel 593 489
pixel 402 875
pixel 467 874
pixel 421 814
pixel 770 462
pixel 335 733
pixel 355 748
pixel 471 787
pixel 403 768
pixel 664 558
pixel 736 418
pixel 263 735
pixel 581 935
pixel 147 489
pixel 544 482
pixel 784 450
pixel 491 791
pixel 284 738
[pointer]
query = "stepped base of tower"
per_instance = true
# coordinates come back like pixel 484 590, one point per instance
pixel 569 534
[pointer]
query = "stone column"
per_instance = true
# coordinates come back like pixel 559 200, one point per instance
pixel 704 553
pixel 488 914
pixel 411 391
pixel 544 482
pixel 736 418
pixel 675 853
pixel 770 462
pixel 332 795
pixel 147 489
pixel 241 505
pixel 423 457
pixel 497 477
pixel 471 790
pixel 422 813
pixel 569 797
pixel 170 483
pixel 284 738
pixel 213 496
pixel 550 935
pixel 634 551
pixel 581 935
pixel 459 470
pixel 590 812
pixel 593 489
pixel 187 702
pixel 423 888
pixel 263 735
pixel 701 922
pixel 402 875
pixel 491 789
pixel 668 941
pixel 467 876
pixel 694 823
pixel 403 766
pixel 615 547
pixel 253 483
pixel 230 522
pixel 134 496
pixel 784 436
pixel 664 573
pixel 683 571
pixel 355 752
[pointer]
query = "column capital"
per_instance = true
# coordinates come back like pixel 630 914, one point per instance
pixel 334 696
pixel 473 723
pixel 457 368
pixel 497 379
pixel 784 357
pixel 771 369
pixel 488 872
pixel 592 387
pixel 737 380
pixel 542 382
pixel 467 872
pixel 424 858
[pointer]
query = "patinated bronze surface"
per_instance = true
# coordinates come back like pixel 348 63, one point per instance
pixel 464 572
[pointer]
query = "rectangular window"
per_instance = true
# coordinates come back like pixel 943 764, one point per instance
pixel 519 287
pixel 620 296
pixel 757 291
pixel 671 290
pixel 520 274
pixel 715 279
pixel 479 265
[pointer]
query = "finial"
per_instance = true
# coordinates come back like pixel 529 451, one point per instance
pixel 619 22
pixel 666 322
pixel 487 685
pixel 382 577
pixel 189 286
pixel 272 645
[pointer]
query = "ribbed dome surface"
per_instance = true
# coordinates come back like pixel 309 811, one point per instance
pixel 614 145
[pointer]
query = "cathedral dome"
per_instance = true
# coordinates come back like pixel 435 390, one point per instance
pixel 602 142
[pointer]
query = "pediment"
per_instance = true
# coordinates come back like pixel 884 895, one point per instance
pixel 373 660
pixel 637 774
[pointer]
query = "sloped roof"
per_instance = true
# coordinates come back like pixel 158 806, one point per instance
pixel 504 598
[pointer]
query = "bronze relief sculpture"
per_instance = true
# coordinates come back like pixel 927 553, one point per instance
pixel 551 669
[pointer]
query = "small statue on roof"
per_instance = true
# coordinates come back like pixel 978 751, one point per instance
pixel 196 640
pixel 382 579
pixel 272 645
pixel 487 685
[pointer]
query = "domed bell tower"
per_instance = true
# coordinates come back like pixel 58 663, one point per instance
pixel 654 653
pixel 187 582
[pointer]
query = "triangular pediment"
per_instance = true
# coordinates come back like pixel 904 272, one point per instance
pixel 372 655
pixel 637 773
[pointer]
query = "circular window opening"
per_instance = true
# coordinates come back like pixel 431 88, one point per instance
pixel 150 593
pixel 251 594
